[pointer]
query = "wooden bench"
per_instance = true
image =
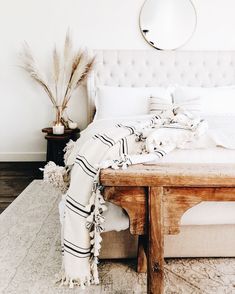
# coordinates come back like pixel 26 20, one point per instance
pixel 156 196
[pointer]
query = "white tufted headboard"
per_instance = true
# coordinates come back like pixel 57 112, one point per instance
pixel 160 68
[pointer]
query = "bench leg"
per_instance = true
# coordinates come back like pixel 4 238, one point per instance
pixel 142 259
pixel 155 252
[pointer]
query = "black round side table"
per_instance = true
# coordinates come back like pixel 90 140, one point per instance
pixel 57 143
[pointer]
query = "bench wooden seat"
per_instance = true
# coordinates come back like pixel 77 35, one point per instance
pixel 155 198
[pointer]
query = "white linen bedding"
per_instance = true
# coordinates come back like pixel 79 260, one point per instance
pixel 77 271
pixel 113 102
pixel 221 132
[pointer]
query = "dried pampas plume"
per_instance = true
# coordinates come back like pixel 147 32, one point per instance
pixel 69 70
pixel 29 64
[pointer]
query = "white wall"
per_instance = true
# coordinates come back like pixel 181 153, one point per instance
pixel 98 24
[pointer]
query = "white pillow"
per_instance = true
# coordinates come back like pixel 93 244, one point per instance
pixel 186 100
pixel 176 98
pixel 114 102
pixel 214 100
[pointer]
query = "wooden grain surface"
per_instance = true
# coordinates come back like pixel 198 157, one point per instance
pixel 172 190
pixel 133 201
pixel 14 178
pixel 171 175
pixel 141 256
pixel 177 200
pixel 155 252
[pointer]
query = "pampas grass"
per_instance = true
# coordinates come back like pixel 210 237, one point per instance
pixel 69 70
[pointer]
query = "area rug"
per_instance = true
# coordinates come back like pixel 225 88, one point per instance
pixel 30 256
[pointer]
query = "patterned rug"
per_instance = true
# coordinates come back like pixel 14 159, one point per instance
pixel 30 256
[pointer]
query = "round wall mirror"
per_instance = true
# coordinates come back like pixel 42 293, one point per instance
pixel 168 24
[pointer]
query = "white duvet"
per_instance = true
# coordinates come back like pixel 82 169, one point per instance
pixel 218 146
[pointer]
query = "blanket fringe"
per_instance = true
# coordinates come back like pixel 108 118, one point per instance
pixel 63 280
pixel 58 176
pixel 68 150
pixel 95 223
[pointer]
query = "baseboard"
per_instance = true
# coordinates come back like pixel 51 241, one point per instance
pixel 22 156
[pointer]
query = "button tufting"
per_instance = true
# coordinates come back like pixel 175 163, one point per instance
pixel 214 69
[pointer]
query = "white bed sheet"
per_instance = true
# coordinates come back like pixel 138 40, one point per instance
pixel 210 155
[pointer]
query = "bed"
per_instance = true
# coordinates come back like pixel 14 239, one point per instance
pixel 207 229
pixel 178 202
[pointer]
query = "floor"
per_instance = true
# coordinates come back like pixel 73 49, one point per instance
pixel 14 178
pixel 30 256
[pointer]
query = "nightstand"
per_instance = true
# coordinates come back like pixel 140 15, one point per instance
pixel 57 143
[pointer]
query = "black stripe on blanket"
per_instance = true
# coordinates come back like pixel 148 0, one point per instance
pixel 76 251
pixel 126 146
pixel 156 117
pixel 76 254
pixel 80 204
pixel 104 139
pixel 160 152
pixel 73 210
pixel 86 166
pixel 131 129
pixel 82 249
pixel 123 147
pixel 110 139
pixel 77 208
pixel 84 169
pixel 87 163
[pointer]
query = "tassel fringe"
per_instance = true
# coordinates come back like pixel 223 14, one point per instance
pixel 56 176
pixel 67 281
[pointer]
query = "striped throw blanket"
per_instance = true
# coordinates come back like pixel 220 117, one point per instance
pixel 116 146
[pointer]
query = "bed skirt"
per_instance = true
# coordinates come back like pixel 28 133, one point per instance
pixel 193 241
